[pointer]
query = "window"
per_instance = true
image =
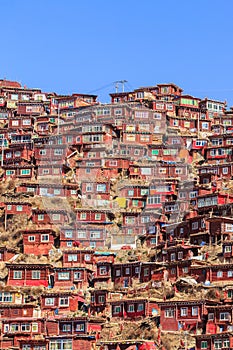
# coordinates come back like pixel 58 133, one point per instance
pixel 116 309
pixel 57 191
pixel 61 344
pixel 101 188
pixel 154 199
pixel 83 216
pixel 146 272
pixel 101 299
pixel 217 344
pixel 17 275
pixel 6 297
pixel 34 327
pixel 35 275
pixel 63 276
pixel 230 273
pixel 204 344
pixel 14 327
pixel 81 234
pixel 130 220
pixel 10 172
pixel 25 327
pixel 140 307
pixel 173 256
pixel 131 308
pixel 219 274
pixel 118 272
pixel 19 208
pixel 95 234
pixel 31 238
pixel 68 234
pixel 66 327
pixel 26 122
pixel 26 347
pixel 103 270
pixel 195 225
pixel 77 276
pixel 180 255
pixel 9 207
pixel 224 316
pixel 56 217
pixel 8 155
pixel 211 316
pixel 58 152
pixel 185 269
pixel 87 257
pixel 80 327
pixel 40 217
pixel 97 216
pixel 226 343
pixel 44 238
pixel 72 257
pixel 127 271
pixel 230 293
pixel 64 301
pixel 49 301
pixel 169 313
pixel 184 311
pixel 194 311
pixel 25 171
pixel 229 228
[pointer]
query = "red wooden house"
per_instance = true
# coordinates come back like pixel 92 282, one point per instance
pixel 23 274
pixel 102 275
pixel 214 341
pixel 38 241
pixel 49 216
pixel 185 314
pixel 123 274
pixel 220 228
pixel 18 171
pixel 129 308
pixel 98 302
pixel 77 256
pixel 178 269
pixel 33 344
pixel 30 107
pixel 70 277
pixel 92 216
pixel 11 311
pixel 18 153
pixel 214 273
pixel 134 194
pixel 23 327
pixel 219 319
pixel 179 252
pixel 60 303
pixel 25 123
pixel 18 208
pixel 133 308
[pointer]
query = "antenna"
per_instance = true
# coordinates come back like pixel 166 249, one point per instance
pixel 122 82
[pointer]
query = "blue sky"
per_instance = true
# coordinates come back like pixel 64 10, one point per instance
pixel 71 46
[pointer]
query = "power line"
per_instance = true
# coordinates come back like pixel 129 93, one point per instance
pixel 100 88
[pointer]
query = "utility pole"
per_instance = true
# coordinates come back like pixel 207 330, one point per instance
pixel 122 82
pixel 3 140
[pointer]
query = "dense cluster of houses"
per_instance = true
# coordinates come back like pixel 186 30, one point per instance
pixel 112 215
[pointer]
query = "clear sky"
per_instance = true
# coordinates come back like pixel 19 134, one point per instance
pixel 71 46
